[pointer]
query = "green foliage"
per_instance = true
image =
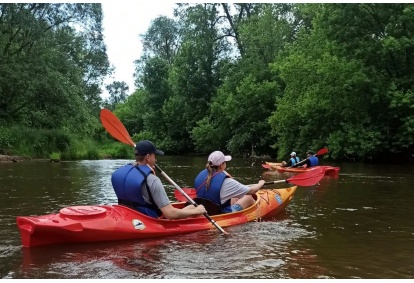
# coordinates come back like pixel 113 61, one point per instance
pixel 252 80
pixel 118 151
pixel 7 139
pixel 402 111
pixel 52 64
pixel 55 156
pixel 33 142
pixel 118 93
pixel 92 154
pixel 206 136
pixel 243 112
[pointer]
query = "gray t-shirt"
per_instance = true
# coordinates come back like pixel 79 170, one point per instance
pixel 157 191
pixel 232 189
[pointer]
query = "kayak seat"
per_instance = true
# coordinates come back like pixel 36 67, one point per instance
pixel 211 207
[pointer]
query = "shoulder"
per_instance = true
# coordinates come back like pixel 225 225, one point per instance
pixel 153 178
pixel 232 183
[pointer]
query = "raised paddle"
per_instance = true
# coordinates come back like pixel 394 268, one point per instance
pixel 114 126
pixel 305 179
pixel 322 151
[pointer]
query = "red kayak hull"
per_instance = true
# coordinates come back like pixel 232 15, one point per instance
pixel 278 167
pixel 79 224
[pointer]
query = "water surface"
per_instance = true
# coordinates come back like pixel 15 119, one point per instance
pixel 355 225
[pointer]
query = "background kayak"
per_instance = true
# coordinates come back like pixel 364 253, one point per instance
pixel 278 167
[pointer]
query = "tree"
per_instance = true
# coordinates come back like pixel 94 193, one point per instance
pixel 52 64
pixel 118 93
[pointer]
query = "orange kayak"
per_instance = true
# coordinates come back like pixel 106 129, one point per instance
pixel 278 167
pixel 79 224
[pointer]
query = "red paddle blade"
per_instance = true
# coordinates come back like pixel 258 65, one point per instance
pixel 189 191
pixel 322 151
pixel 308 178
pixel 112 124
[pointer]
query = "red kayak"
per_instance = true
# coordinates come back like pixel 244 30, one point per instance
pixel 278 167
pixel 78 224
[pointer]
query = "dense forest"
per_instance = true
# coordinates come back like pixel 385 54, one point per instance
pixel 247 79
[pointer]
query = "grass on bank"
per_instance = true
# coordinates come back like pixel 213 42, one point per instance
pixel 59 145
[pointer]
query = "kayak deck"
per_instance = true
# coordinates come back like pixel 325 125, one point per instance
pixel 77 224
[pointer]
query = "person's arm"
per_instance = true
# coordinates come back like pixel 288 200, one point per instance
pixel 232 188
pixel 287 164
pixel 253 189
pixel 163 202
pixel 171 212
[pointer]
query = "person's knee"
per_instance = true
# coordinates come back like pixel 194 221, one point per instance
pixel 246 201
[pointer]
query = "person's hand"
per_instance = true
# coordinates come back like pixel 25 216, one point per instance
pixel 201 209
pixel 261 183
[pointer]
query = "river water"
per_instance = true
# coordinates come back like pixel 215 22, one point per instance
pixel 355 225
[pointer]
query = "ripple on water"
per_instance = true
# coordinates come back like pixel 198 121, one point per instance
pixel 252 247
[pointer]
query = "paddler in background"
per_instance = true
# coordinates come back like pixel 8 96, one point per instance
pixel 292 161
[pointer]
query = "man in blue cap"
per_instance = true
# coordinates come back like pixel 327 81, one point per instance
pixel 137 186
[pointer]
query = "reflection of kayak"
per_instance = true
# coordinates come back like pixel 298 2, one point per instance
pixel 278 167
pixel 77 224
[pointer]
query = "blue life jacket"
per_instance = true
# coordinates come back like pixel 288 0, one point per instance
pixel 314 161
pixel 213 192
pixel 294 160
pixel 127 182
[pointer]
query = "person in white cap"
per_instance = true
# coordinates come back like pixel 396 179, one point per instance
pixel 292 161
pixel 216 185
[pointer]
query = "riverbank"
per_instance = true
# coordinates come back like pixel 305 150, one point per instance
pixel 11 158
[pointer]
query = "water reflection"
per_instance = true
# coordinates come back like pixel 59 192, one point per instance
pixel 355 226
pixel 265 254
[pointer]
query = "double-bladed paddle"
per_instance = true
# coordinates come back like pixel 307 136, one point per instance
pixel 115 127
pixel 308 178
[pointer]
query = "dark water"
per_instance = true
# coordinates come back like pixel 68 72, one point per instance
pixel 358 225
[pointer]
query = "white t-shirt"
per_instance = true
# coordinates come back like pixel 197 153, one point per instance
pixel 232 189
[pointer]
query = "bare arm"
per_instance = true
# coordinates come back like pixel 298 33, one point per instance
pixel 254 188
pixel 171 212
pixel 287 164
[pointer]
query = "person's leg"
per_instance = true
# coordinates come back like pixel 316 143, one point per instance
pixel 246 201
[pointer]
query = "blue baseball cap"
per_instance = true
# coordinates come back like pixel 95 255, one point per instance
pixel 146 147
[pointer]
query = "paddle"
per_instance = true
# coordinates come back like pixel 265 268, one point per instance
pixel 114 126
pixel 322 151
pixel 305 179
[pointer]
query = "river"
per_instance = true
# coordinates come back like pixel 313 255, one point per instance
pixel 355 225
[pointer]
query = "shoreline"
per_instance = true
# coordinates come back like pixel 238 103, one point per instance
pixel 12 158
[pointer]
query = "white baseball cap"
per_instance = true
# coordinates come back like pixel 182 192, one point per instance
pixel 217 158
pixel 293 153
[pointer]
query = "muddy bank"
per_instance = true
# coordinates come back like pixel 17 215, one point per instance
pixel 11 158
